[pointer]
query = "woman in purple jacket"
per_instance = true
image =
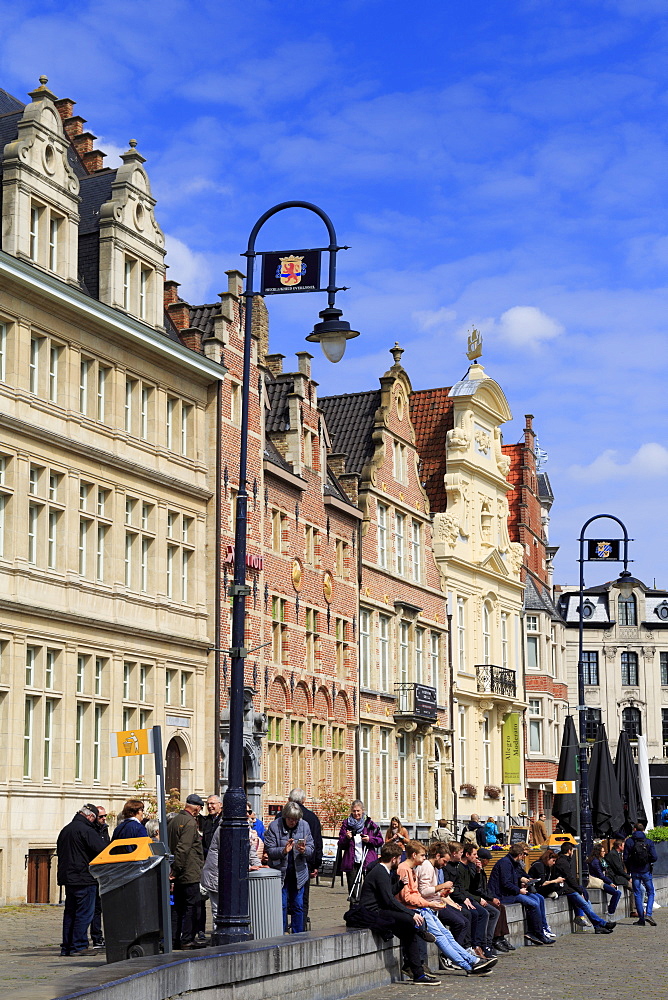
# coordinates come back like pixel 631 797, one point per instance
pixel 357 833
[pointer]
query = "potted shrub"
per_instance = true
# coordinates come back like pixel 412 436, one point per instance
pixel 468 791
pixel 659 837
pixel 492 792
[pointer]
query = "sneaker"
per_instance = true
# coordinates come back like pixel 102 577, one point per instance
pixel 638 923
pixel 533 939
pixel 483 968
pixel 601 930
pixel 651 921
pixel 509 946
pixel 426 935
pixel 426 980
pixel 500 945
pixel 472 953
pixel 445 964
pixel 581 921
pixel 490 952
pixel 611 924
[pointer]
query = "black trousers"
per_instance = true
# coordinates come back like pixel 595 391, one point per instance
pixel 187 899
pixel 458 923
pixel 404 928
pixel 96 932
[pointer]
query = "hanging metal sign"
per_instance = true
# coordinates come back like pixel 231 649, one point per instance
pixel 603 550
pixel 291 271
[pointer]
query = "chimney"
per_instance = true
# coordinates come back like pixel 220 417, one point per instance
pixel 191 338
pixel 83 142
pixel 304 361
pixel 337 464
pixel 274 364
pixel 171 292
pixel 65 106
pixel 93 161
pixel 179 313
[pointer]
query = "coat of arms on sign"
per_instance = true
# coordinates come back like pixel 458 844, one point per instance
pixel 290 270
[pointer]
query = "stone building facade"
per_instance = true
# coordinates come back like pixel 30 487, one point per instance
pixel 106 487
pixel 459 443
pixel 404 728
pixel 544 637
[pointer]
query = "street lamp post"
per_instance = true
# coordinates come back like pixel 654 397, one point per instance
pixel 233 922
pixel 611 554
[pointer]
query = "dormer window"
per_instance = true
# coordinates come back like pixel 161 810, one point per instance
pixel 661 611
pixel 626 607
pixel 45 227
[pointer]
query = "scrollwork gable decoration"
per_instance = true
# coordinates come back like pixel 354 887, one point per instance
pixel 132 245
pixel 502 512
pixel 40 190
pixel 516 558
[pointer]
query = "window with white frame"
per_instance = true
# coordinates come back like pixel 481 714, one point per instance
pixel 55 354
pixel 404 646
pixel 278 628
pixel 486 634
pixel 461 634
pixel 365 763
pixel 535 725
pixel 434 658
pixel 399 461
pixel 399 553
pixel 28 722
pixel 419 655
pixel 47 759
pixel 486 750
pixel 341 646
pixel 311 638
pixel 416 550
pixel 504 639
pixel 418 744
pixel 462 744
pixel 402 761
pixel 365 649
pixel 3 351
pixel 383 652
pixel 382 535
pixel 180 553
pixel 533 652
pixel 384 776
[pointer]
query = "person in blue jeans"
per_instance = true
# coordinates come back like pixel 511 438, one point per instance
pixel 289 844
pixel 639 856
pixel 78 843
pixel 508 883
pixel 597 869
pixel 577 894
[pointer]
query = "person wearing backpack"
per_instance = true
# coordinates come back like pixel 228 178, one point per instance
pixel 639 856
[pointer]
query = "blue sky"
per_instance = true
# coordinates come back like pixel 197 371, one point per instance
pixel 496 164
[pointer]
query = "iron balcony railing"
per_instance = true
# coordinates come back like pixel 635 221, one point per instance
pixel 415 701
pixel 496 680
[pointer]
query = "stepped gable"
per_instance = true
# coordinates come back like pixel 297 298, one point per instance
pixel 95 190
pixel 431 414
pixel 203 317
pixel 350 421
pixel 278 416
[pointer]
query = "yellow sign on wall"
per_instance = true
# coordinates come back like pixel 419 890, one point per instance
pixel 564 788
pixel 511 750
pixel 131 743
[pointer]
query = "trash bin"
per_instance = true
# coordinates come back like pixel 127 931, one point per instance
pixel 265 902
pixel 128 874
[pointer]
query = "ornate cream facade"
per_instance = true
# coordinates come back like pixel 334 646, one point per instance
pixel 107 445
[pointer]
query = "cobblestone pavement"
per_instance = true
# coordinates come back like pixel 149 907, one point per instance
pixel 630 962
pixel 30 964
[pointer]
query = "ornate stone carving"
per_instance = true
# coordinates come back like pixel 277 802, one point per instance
pixel 516 557
pixel 483 440
pixel 457 439
pixel 610 652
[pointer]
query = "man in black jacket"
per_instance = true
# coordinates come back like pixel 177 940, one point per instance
pixel 479 917
pixel 298 795
pixel 78 843
pixel 467 880
pixel 100 824
pixel 380 910
pixel 614 859
pixel 577 896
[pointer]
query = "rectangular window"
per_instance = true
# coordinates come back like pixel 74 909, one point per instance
pixel 461 634
pixel 535 726
pixel 54 224
pixel 78 741
pixel 404 634
pixel 48 737
pixel 144 565
pixel 185 575
pixel 663 663
pixel 402 775
pixel 127 714
pixel 52 548
pixel 171 556
pixel 341 557
pixel 399 522
pixel 144 412
pixel 384 653
pixel 34 232
pixel 311 623
pixel 130 385
pixel 169 687
pixel 486 750
pixel 54 360
pixel 365 763
pixel 186 420
pixel 419 655
pixel 419 776
pixel 504 639
pixel 399 462
pixel 277 629
pixel 81 670
pixel 83 545
pixel 84 378
pixel 31 660
pixel 235 403
pixel 592 721
pixel 127 284
pixel 35 343
pixel 33 523
pixel 129 542
pixel 382 535
pixel 416 550
pixel 28 719
pixel 435 658
pixel 630 669
pixel 99 666
pixel 340 647
pixel 3 509
pixel 462 745
pixel 171 411
pixel 100 548
pixel 183 700
pixel 101 401
pixel 533 661
pixel 143 675
pixel 275 778
pixel 143 292
pixel 531 623
pixel 50 669
pixel 384 776
pixel 3 352
pixel 97 741
pixel 590 667
pixel 127 670
pixel 365 649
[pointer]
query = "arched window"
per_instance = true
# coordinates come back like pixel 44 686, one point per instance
pixel 632 722
pixel 626 610
pixel 630 669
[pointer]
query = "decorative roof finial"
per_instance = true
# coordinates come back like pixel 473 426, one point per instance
pixel 474 344
pixel 396 353
pixel 133 143
pixel 43 80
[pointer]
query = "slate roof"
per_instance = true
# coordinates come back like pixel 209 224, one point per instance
pixel 350 420
pixel 544 487
pixel 537 598
pixel 272 454
pixel 9 103
pixel 278 417
pixel 202 317
pixel 9 120
pixel 432 417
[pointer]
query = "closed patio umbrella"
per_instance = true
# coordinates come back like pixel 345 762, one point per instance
pixel 566 807
pixel 627 781
pixel 607 810
pixel 643 779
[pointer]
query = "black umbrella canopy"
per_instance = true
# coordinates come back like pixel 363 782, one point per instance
pixel 607 810
pixel 627 782
pixel 566 807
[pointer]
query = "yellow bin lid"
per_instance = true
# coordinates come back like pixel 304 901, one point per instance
pixel 117 850
pixel 557 839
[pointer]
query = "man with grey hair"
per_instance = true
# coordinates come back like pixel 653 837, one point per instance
pixel 298 795
pixel 289 845
pixel 78 843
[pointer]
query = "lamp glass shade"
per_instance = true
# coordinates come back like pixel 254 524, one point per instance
pixel 334 346
pixel 624 584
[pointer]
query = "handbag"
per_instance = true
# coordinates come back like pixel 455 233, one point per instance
pixel 595 883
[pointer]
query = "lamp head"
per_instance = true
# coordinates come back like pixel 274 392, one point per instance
pixel 332 333
pixel 624 584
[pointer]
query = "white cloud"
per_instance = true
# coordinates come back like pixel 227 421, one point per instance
pixel 527 326
pixel 430 319
pixel 649 461
pixel 113 151
pixel 189 267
